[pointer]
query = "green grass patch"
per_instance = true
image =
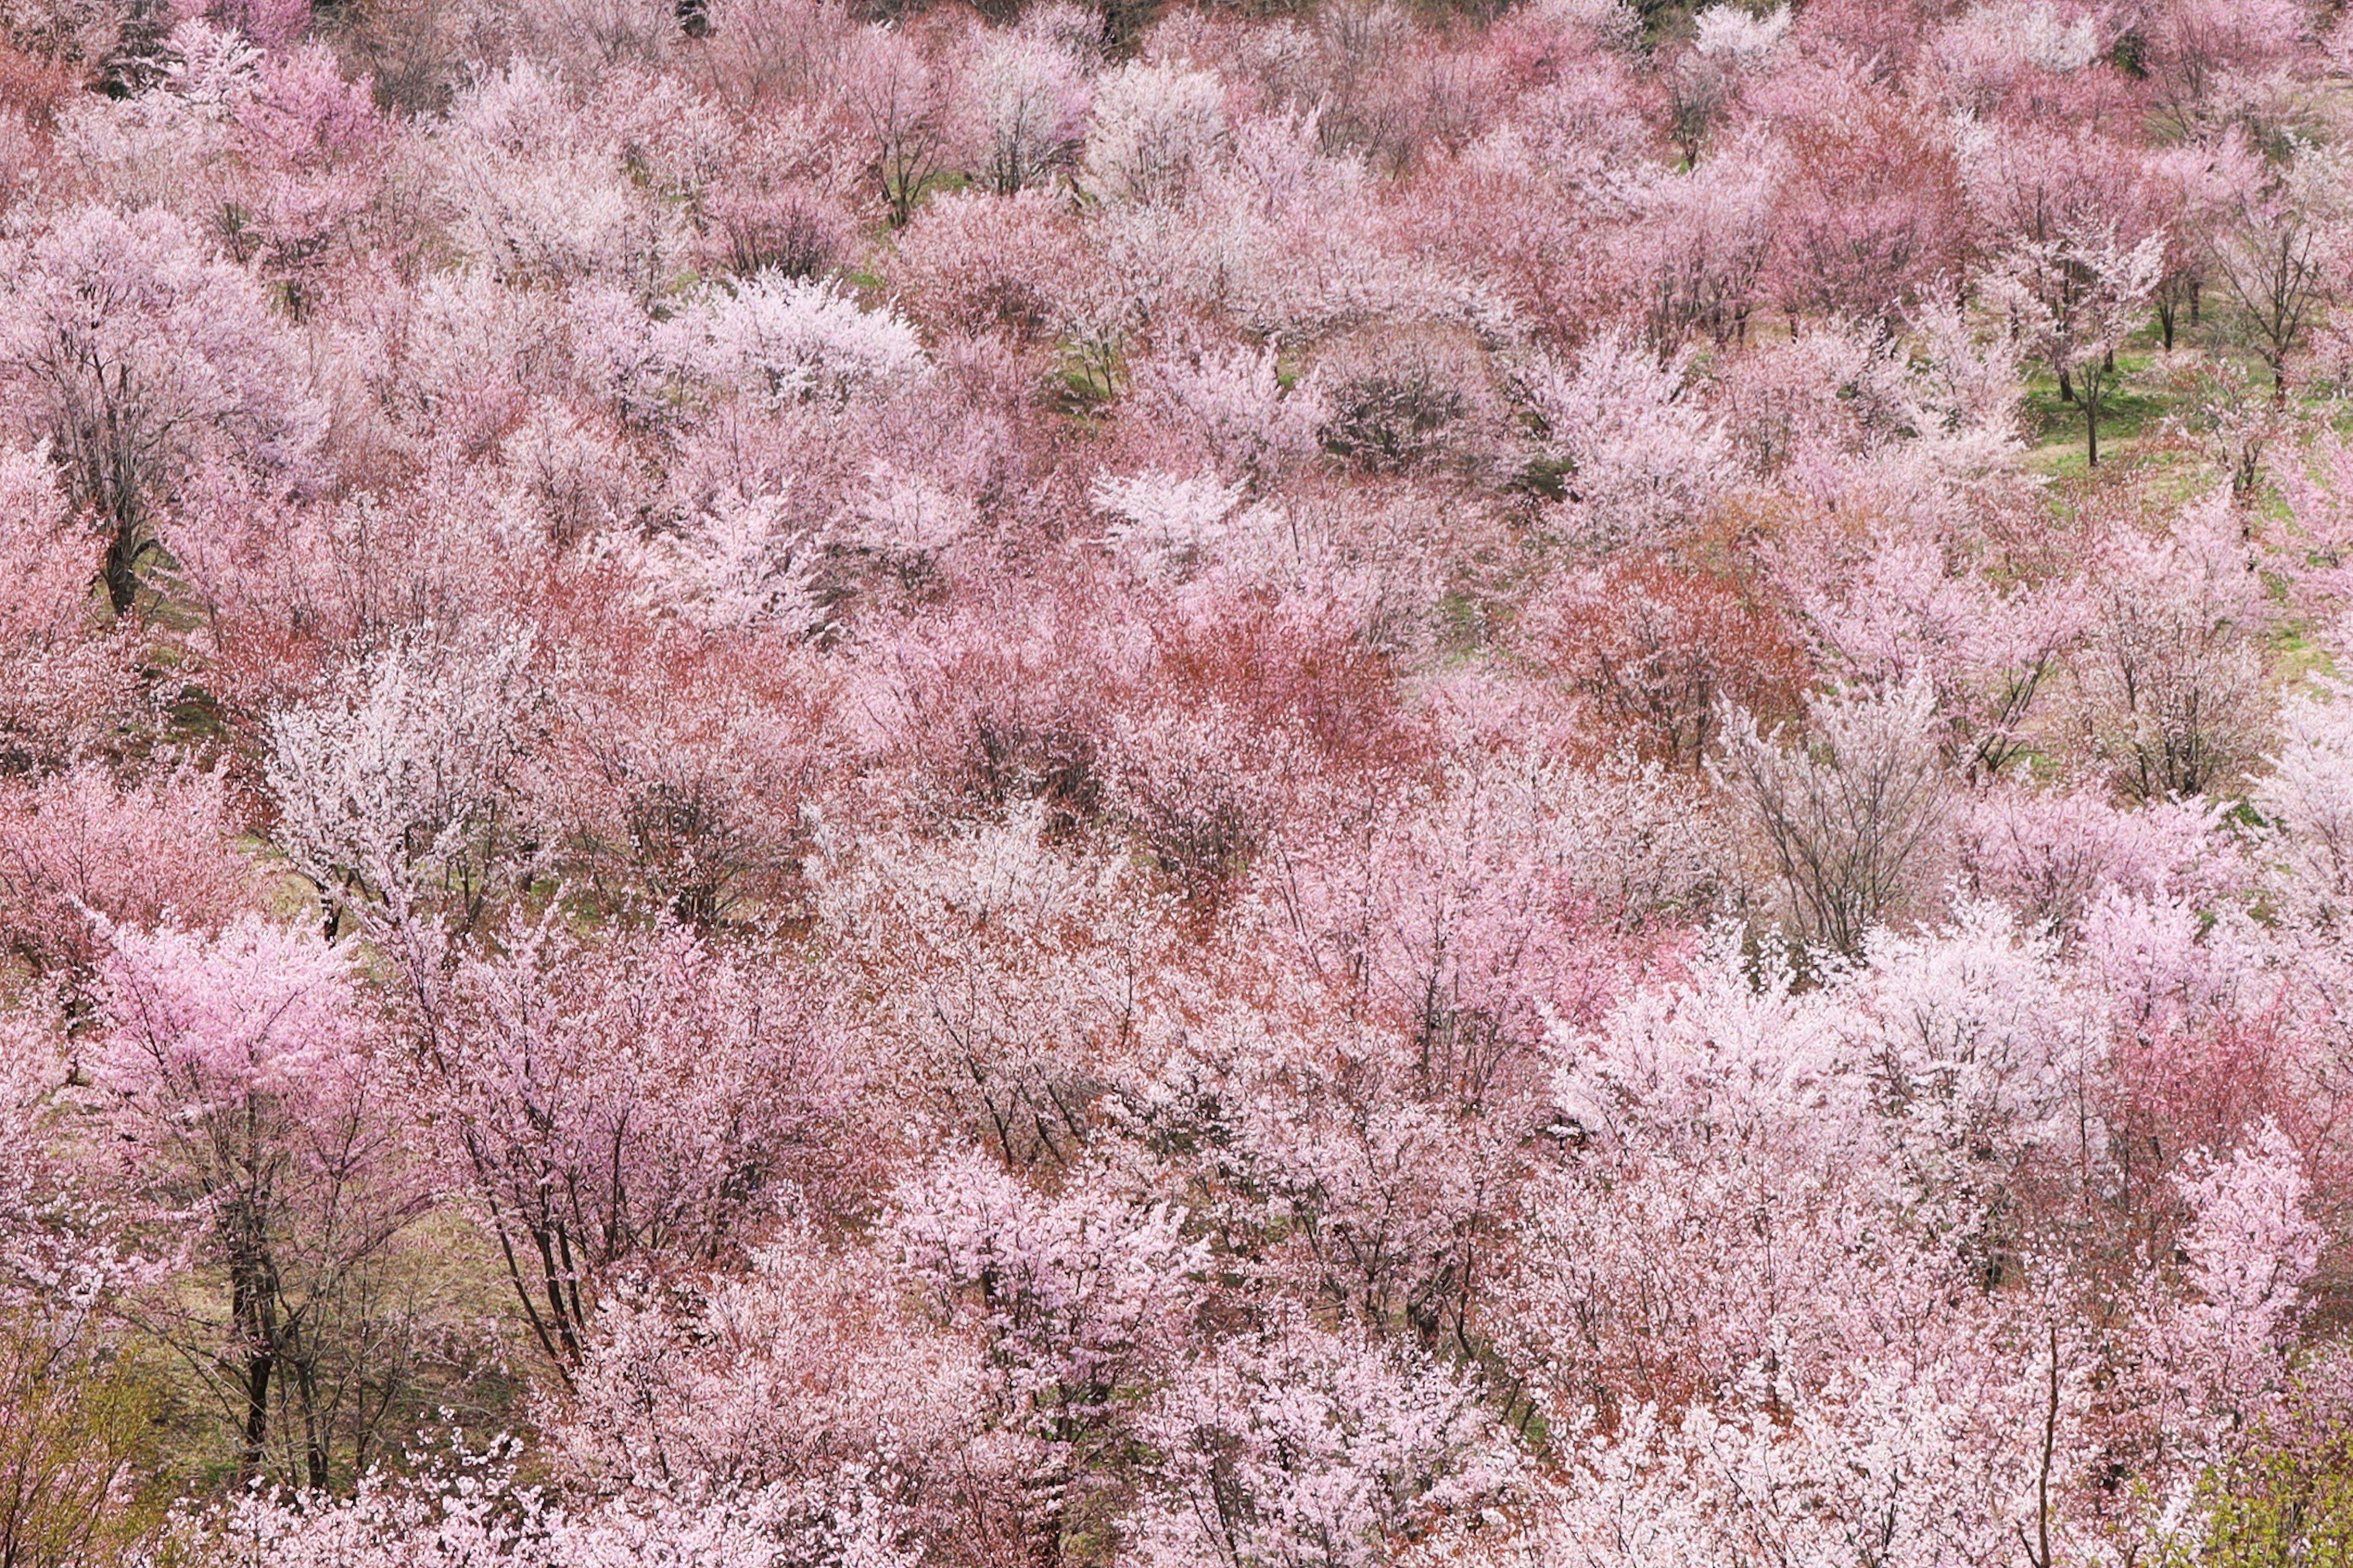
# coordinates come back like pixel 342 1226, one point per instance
pixel 2135 406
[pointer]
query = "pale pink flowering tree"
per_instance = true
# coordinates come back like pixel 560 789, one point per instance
pixel 804 1382
pixel 533 191
pixel 65 687
pixel 1730 44
pixel 1986 1054
pixel 467 1509
pixel 2202 54
pixel 2051 204
pixel 1639 456
pixel 1074 1297
pixel 1153 128
pixel 1023 107
pixel 789 199
pixel 2281 256
pixel 2164 969
pixel 776 341
pixel 1076 1303
pixel 1345 1174
pixel 2220 1357
pixel 1008 965
pixel 619 1105
pixel 134 354
pixel 988 263
pixel 1827 394
pixel 1904 608
pixel 400 789
pixel 1724 1198
pixel 254 1101
pixel 2048 853
pixel 69 1414
pixel 1470 914
pixel 1232 407
pixel 78 850
pixel 2191 191
pixel 1851 819
pixel 2313 553
pixel 1299 1447
pixel 2077 298
pixel 2306 796
pixel 1169 524
pixel 2169 695
pixel 313 149
pixel 1752 1300
pixel 901 105
pixel 741 563
pixel 57 1257
pixel 1980 55
pixel 1939 1468
pixel 209 68
pixel 1694 257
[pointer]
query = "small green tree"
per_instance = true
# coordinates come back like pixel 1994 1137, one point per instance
pixel 2284 1502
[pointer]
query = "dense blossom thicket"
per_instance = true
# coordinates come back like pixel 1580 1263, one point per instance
pixel 1331 788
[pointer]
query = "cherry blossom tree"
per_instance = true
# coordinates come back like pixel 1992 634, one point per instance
pixel 134 354
pixel 2080 298
pixel 1851 818
pixel 2249 1249
pixel 401 791
pixel 1025 109
pixel 2278 260
pixel 616 1104
pixel 254 1108
pixel 904 110
pixel 314 145
pixel 66 689
pixel 76 851
pixel 778 341
pixel 2169 690
pixel 2303 795
pixel 70 1418
pixel 1639 457
pixel 1151 126
pixel 1308 1448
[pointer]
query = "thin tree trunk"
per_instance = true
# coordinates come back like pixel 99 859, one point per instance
pixel 314 1442
pixel 260 1363
pixel 253 1319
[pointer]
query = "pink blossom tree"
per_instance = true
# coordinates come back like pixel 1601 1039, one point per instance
pixel 254 1102
pixel 617 1105
pixel 134 354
